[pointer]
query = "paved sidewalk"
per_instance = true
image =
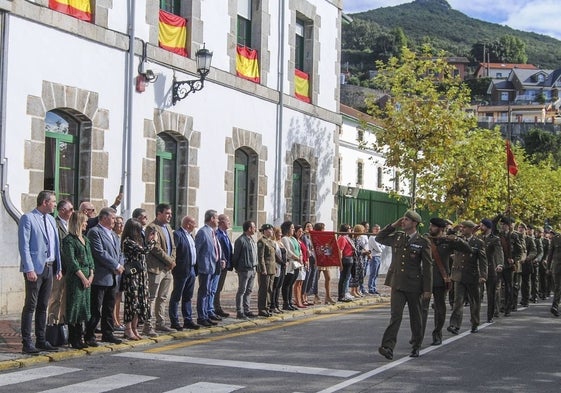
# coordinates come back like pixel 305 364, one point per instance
pixel 10 335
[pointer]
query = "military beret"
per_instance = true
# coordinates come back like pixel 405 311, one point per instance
pixel 264 227
pixel 468 223
pixel 438 222
pixel 488 223
pixel 539 229
pixel 413 215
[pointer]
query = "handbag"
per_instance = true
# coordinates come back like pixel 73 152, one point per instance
pixel 133 267
pixel 296 265
pixel 57 334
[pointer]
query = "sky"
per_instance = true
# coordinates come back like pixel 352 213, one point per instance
pixel 538 16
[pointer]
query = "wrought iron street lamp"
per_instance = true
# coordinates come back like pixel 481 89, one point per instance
pixel 181 89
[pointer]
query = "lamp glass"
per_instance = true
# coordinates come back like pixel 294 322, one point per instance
pixel 204 58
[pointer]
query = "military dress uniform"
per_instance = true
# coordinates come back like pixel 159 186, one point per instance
pixel 543 278
pixel 409 275
pixel 467 270
pixel 535 267
pixel 495 258
pixel 526 271
pixel 554 266
pixel 514 251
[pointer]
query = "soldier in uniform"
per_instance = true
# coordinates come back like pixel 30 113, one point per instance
pixel 514 251
pixel 495 263
pixel 535 262
pixel 442 247
pixel 409 276
pixel 542 267
pixel 554 268
pixel 469 269
pixel 522 277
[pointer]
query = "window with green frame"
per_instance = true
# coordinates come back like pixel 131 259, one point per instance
pixel 244 23
pixel 299 46
pixel 245 187
pixel 166 171
pixel 359 172
pixel 61 155
pixel 300 191
pixel 171 6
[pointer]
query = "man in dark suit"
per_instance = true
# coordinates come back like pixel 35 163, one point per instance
pixel 183 275
pixel 208 260
pixel 469 270
pixel 109 261
pixel 409 276
pixel 39 250
pixel 160 262
pixel 57 301
pixel 227 253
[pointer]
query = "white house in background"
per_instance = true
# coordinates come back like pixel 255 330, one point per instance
pixel 82 113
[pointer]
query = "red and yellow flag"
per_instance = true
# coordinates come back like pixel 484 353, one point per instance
pixel 173 33
pixel 81 9
pixel 247 65
pixel 301 85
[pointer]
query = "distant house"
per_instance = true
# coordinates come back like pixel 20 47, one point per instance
pixel 499 70
pixel 461 65
pixel 526 87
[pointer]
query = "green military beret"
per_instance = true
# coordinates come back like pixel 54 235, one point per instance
pixel 413 215
pixel 468 223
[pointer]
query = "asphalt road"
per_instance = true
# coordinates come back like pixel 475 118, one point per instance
pixel 334 352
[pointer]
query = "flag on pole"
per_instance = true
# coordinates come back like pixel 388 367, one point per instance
pixel 81 9
pixel 173 33
pixel 510 161
pixel 326 248
pixel 301 85
pixel 247 65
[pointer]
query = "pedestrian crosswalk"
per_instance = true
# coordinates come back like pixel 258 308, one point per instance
pixel 102 384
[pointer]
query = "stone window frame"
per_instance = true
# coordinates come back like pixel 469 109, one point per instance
pixel 301 153
pixel 246 139
pixel 179 127
pixel 82 105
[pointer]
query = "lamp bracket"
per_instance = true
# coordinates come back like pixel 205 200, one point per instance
pixel 181 89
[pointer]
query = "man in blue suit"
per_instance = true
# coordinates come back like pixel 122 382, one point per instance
pixel 109 261
pixel 183 275
pixel 208 256
pixel 40 256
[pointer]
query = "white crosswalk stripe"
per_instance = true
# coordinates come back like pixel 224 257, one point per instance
pixel 206 387
pixel 104 384
pixel 240 364
pixel 34 373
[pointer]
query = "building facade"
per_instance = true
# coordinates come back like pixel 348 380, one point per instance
pixel 87 106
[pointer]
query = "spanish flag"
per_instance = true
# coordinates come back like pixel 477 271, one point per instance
pixel 301 86
pixel 173 33
pixel 247 65
pixel 81 9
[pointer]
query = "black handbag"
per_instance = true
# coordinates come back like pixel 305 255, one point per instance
pixel 57 334
pixel 133 267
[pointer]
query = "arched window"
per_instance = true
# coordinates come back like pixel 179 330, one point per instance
pixel 61 155
pixel 300 191
pixel 245 186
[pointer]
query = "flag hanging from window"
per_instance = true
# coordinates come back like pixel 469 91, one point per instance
pixel 510 162
pixel 247 65
pixel 173 33
pixel 80 9
pixel 301 85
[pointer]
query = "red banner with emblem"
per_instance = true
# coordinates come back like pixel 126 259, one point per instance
pixel 326 248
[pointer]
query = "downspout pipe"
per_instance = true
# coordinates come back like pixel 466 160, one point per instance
pixel 280 114
pixel 127 120
pixel 6 201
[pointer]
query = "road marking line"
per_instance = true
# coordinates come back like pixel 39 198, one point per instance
pixel 395 363
pixel 104 384
pixel 206 387
pixel 35 373
pixel 240 364
pixel 185 344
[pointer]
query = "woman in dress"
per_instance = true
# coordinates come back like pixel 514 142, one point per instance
pixel 361 258
pixel 78 261
pixel 299 294
pixel 134 282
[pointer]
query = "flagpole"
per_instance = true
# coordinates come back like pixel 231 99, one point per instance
pixel 508 136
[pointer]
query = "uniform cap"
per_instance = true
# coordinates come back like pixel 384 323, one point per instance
pixel 413 215
pixel 487 222
pixel 264 227
pixel 468 223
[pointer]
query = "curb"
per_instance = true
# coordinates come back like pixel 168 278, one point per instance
pixel 27 361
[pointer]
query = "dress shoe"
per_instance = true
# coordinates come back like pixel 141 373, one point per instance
pixel 474 329
pixel 386 352
pixel 213 323
pixel 278 311
pixel 204 322
pixel 222 314
pixel 436 341
pixel 46 346
pixel 554 311
pixel 264 314
pixel 453 330
pixel 241 315
pixel 176 326
pixel 112 340
pixel 414 353
pixel 91 342
pixel 191 325
pixel 215 317
pixel 249 314
pixel 30 350
pixel 165 329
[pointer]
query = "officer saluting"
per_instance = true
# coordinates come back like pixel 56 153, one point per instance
pixel 409 276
